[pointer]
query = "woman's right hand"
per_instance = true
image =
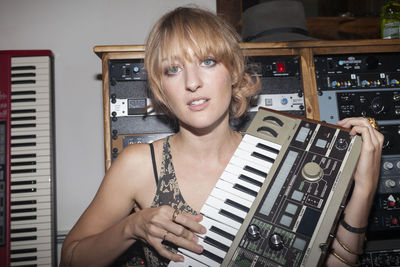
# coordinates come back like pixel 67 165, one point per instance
pixel 156 225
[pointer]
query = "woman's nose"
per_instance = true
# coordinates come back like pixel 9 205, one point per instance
pixel 193 79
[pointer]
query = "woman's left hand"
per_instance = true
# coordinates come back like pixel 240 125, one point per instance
pixel 368 169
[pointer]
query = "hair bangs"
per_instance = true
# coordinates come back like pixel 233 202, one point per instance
pixel 200 37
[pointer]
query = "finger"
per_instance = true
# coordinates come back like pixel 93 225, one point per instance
pixel 184 243
pixel 166 253
pixel 190 222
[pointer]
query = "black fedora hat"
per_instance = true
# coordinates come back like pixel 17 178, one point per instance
pixel 275 21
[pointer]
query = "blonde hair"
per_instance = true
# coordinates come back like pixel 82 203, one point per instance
pixel 205 34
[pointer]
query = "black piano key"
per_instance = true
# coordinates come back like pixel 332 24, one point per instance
pixel 23 202
pixel 24 218
pixel 245 190
pixel 19 111
pixel 212 256
pixel 21 156
pixel 23 100
pixel 262 157
pixel 250 180
pixel 255 171
pixel 25 136
pixel 23 210
pixel 24 74
pixel 24 82
pixel 23 230
pixel 24 144
pixel 25 125
pixel 23 182
pixel 31 258
pixel 222 232
pixel 268 148
pixel 26 118
pixel 237 205
pixel 23 171
pixel 216 244
pixel 231 216
pixel 21 191
pixel 23 251
pixel 28 67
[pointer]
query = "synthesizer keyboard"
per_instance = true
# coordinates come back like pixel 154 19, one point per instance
pixel 280 196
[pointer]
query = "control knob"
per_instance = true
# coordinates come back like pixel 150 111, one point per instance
pixel 341 144
pixel 253 232
pixel 390 183
pixel 388 165
pixel 377 105
pixel 276 241
pixel 312 171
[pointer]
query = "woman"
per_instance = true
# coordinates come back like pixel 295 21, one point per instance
pixel 197 75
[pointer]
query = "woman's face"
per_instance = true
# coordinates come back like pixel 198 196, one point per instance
pixel 198 90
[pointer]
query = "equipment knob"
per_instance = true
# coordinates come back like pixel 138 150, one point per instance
pixel 390 183
pixel 253 232
pixel 276 241
pixel 398 164
pixel 284 101
pixel 312 171
pixel 136 69
pixel 377 105
pixel 341 144
pixel 388 165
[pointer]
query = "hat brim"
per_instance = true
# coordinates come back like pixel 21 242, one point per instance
pixel 283 37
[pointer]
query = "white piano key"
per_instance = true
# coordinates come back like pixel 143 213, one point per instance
pixel 39 192
pixel 45 158
pixel 214 250
pixel 208 223
pixel 40 261
pixel 213 213
pixel 39 61
pixel 188 261
pixel 252 148
pixel 224 195
pixel 254 140
pixel 230 178
pixel 26 107
pixel 206 260
pixel 38 233
pixel 233 169
pixel 39 165
pixel 38 219
pixel 215 202
pixel 223 185
pixel 260 164
pixel 238 161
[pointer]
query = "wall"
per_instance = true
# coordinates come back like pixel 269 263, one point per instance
pixel 71 29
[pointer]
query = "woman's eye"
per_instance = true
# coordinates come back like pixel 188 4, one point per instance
pixel 209 62
pixel 173 70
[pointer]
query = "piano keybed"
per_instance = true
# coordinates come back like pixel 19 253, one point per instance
pixel 32 179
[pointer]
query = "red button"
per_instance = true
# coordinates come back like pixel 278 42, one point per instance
pixel 395 221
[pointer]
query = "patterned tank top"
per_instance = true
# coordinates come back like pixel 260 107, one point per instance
pixel 167 193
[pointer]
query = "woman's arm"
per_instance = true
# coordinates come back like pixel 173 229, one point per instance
pixel 106 229
pixel 350 236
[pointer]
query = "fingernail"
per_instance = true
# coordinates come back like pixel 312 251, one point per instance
pixel 203 230
pixel 195 238
pixel 181 259
pixel 199 249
